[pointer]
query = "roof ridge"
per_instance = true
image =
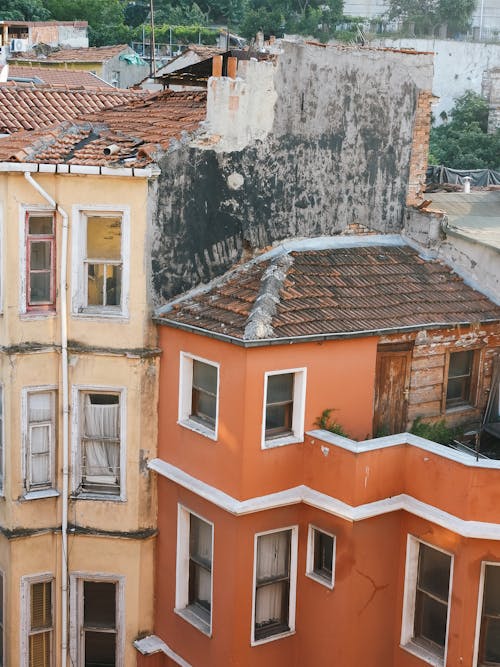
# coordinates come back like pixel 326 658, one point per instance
pixel 259 324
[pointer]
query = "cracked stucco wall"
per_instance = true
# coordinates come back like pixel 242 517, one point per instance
pixel 306 146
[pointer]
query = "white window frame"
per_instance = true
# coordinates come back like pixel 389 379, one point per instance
pixel 182 606
pixel 47 490
pixel 77 420
pixel 479 615
pixel 409 598
pixel 79 307
pixel 299 407
pixel 186 396
pixel 292 599
pixel 77 580
pixel 26 583
pixel 310 572
pixel 34 313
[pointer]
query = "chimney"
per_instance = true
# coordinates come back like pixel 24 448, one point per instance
pixel 217 66
pixel 232 66
pixel 467 180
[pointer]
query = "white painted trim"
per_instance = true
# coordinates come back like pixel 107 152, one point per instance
pixel 76 609
pixel 79 213
pixel 25 448
pixel 2 436
pixel 310 556
pixel 24 209
pixel 186 395
pixel 76 417
pixel 298 409
pixel 25 585
pixel 479 613
pixel 139 172
pixel 409 598
pixel 153 644
pixel 304 494
pixel 182 571
pixel 292 597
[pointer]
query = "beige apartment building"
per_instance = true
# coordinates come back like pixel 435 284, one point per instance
pixel 78 382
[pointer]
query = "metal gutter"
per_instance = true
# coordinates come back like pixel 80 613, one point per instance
pixel 65 408
pixel 91 170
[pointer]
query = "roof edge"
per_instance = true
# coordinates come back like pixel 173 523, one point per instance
pixel 94 170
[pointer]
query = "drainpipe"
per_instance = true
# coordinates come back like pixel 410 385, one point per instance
pixel 65 407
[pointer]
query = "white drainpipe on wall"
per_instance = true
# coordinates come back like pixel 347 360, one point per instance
pixel 65 408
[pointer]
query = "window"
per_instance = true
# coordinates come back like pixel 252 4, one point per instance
pixel 38 621
pixel 100 443
pixel 40 261
pixel 198 395
pixel 96 628
pixel 40 439
pixel 489 638
pixel 461 376
pixel 275 581
pixel 283 419
pixel 101 250
pixel 321 556
pixel 194 569
pixel 426 604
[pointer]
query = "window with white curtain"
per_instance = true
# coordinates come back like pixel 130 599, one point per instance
pixel 100 442
pixel 275 580
pixel 40 439
pixel 194 569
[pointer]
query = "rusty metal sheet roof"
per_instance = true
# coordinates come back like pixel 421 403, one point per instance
pixel 330 292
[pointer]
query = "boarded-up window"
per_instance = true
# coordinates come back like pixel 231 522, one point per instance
pixel 41 625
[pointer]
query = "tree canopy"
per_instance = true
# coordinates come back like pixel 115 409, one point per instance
pixel 428 15
pixel 463 142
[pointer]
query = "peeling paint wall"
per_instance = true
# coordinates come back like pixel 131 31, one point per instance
pixel 333 150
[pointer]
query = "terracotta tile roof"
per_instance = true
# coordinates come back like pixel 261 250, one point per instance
pixel 138 132
pixel 330 292
pixel 91 54
pixel 29 107
pixel 58 77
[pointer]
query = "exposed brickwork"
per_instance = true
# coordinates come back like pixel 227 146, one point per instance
pixel 420 148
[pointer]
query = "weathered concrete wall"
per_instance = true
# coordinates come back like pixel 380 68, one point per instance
pixel 333 150
pixel 458 66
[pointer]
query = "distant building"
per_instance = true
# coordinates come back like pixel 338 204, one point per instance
pixel 21 36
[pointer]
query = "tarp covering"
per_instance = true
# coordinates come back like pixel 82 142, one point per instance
pixel 480 177
pixel 132 59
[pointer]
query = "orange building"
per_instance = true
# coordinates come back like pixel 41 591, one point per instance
pixel 282 543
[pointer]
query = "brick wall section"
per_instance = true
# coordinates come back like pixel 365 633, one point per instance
pixel 420 148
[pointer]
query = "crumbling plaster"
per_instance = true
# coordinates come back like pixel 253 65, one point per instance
pixel 325 143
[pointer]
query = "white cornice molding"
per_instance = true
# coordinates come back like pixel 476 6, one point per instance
pixel 304 494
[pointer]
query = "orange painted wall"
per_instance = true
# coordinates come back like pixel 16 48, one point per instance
pixel 340 375
pixel 356 623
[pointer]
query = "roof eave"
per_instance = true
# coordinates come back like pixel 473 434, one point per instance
pixel 151 171
pixel 314 337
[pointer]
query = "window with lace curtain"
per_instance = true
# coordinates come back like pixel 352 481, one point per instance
pixel 100 443
pixel 38 620
pixel 275 582
pixel 194 570
pixel 40 439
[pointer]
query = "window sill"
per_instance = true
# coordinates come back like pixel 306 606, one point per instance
pixel 327 583
pixel 281 442
pixel 422 653
pixel 272 638
pixel 197 427
pixel 43 493
pixel 98 496
pixel 118 316
pixel 189 615
pixel 37 314
pixel 466 407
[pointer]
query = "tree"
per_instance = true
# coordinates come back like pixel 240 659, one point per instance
pixel 23 10
pixel 105 18
pixel 429 14
pixel 463 143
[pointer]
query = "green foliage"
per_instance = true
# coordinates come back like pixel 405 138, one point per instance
pixel 105 17
pixel 327 423
pixel 179 15
pixel 463 142
pixel 23 10
pixel 437 431
pixel 429 14
pixel 183 34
